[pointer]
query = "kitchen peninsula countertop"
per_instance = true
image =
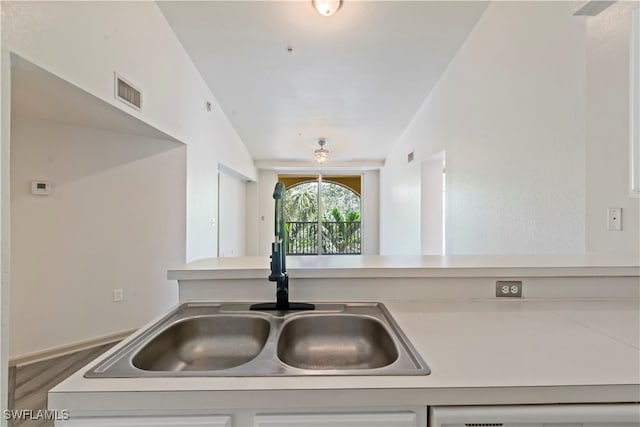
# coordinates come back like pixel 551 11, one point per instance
pixel 376 266
pixel 480 352
pixel 574 337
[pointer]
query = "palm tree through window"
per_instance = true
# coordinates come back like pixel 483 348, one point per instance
pixel 323 215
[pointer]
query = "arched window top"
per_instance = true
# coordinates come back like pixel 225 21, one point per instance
pixel 353 183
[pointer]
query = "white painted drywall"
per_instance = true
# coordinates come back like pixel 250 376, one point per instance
pixel 115 219
pixel 265 215
pixel 509 111
pixel 5 122
pixel 232 215
pixel 400 203
pixel 432 205
pixel 370 204
pixel 607 131
pixel 252 227
pixel 86 42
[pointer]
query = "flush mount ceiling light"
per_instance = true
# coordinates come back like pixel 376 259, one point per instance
pixel 321 155
pixel 326 7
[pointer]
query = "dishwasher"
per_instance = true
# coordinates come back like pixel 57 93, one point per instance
pixel 575 415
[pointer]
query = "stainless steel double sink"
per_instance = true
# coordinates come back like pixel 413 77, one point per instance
pixel 228 339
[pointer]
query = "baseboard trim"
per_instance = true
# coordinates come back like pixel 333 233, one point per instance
pixel 64 350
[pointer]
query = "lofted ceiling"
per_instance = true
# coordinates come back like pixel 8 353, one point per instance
pixel 285 75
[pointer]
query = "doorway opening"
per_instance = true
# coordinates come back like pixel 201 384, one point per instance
pixel 232 196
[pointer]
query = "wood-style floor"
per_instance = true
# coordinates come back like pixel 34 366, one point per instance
pixel 29 384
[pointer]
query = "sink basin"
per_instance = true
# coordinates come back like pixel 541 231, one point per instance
pixel 230 340
pixel 336 342
pixel 204 343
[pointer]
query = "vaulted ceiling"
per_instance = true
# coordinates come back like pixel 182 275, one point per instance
pixel 286 76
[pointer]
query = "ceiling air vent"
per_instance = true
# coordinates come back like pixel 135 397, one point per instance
pixel 128 93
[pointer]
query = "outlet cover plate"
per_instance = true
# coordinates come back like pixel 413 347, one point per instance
pixel 614 219
pixel 509 288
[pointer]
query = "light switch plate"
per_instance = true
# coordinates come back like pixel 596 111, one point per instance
pixel 118 295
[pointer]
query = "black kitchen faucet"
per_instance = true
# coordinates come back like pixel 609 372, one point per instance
pixel 279 262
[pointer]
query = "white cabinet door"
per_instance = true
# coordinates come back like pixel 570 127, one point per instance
pixel 381 419
pixel 169 421
pixel 579 415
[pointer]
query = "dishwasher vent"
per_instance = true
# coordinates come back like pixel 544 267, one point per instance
pixel 483 424
pixel 128 93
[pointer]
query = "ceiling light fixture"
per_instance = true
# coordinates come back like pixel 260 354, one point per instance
pixel 321 155
pixel 326 7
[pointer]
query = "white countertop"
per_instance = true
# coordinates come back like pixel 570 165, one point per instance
pixel 485 351
pixel 375 266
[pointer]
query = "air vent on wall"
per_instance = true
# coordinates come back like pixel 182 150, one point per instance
pixel 410 157
pixel 128 93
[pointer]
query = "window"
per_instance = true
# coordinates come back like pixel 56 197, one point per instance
pixel 322 215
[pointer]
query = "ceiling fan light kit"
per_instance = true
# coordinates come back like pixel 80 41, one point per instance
pixel 321 154
pixel 326 7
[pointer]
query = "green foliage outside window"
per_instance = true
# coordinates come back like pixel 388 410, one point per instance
pixel 340 219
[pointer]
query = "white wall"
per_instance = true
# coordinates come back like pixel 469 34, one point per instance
pixel 432 205
pixel 85 42
pixel 509 112
pixel 400 204
pixel 5 115
pixel 252 220
pixel 115 219
pixel 607 138
pixel 371 212
pixel 265 215
pixel 232 205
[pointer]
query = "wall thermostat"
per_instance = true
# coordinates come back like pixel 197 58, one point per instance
pixel 41 188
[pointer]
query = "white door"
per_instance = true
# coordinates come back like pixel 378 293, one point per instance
pixel 231 215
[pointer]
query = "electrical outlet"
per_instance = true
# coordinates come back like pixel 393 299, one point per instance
pixel 118 295
pixel 614 219
pixel 509 288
